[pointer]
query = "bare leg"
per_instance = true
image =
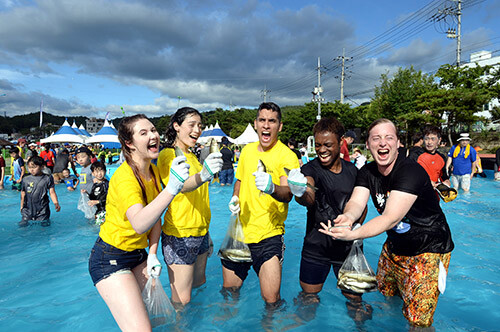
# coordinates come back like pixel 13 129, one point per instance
pixel 181 282
pixel 122 294
pixel 270 280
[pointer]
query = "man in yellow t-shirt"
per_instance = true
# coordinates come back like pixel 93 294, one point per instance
pixel 263 197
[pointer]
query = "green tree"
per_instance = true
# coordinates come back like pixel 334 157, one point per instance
pixel 396 98
pixel 462 92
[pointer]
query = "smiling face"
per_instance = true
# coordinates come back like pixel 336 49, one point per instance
pixel 383 144
pixel 99 173
pixel 145 142
pixel 188 131
pixel 327 147
pixel 267 126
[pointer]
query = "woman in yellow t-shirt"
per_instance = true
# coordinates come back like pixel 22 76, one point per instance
pixel 119 264
pixel 185 239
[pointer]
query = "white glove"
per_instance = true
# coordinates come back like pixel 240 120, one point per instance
pixel 211 166
pixel 264 182
pixel 154 266
pixel 234 205
pixel 297 182
pixel 179 172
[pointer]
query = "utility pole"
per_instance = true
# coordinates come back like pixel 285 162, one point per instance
pixel 264 93
pixel 452 33
pixel 317 92
pixel 343 58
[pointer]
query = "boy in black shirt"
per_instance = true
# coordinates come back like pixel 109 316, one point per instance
pixel 99 191
pixel 334 179
pixel 34 198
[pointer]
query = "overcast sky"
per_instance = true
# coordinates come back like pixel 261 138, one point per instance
pixel 92 57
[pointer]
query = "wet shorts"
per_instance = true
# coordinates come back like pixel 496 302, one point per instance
pixel 106 260
pixel 183 250
pixel 415 279
pixel 315 273
pixel 261 252
pixel 461 181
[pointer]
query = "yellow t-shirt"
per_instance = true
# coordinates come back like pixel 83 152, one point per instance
pixel 261 215
pixel 124 191
pixel 189 213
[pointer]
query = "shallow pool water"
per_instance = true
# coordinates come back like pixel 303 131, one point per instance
pixel 45 284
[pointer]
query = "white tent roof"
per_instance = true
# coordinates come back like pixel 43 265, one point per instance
pixel 65 134
pixel 106 135
pixel 248 136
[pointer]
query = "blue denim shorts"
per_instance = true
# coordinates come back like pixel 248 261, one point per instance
pixel 261 252
pixel 183 250
pixel 226 176
pixel 106 260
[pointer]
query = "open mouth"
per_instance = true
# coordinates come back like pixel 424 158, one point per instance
pixel 194 137
pixel 383 153
pixel 266 136
pixel 153 146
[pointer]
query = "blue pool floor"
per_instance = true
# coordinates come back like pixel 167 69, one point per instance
pixel 45 283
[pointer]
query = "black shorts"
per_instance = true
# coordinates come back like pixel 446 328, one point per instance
pixel 261 252
pixel 315 273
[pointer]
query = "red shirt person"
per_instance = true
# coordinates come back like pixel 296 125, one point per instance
pixel 347 139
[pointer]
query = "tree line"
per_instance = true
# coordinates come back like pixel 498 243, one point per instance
pixel 449 98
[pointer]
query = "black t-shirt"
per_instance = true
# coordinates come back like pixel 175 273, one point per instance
pixel 36 200
pixel 334 191
pixel 99 192
pixel 297 153
pixel 227 158
pixel 424 228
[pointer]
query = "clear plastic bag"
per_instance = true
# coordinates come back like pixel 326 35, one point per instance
pixel 158 305
pixel 83 205
pixel 233 247
pixel 356 274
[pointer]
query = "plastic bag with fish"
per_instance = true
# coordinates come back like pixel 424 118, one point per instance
pixel 83 205
pixel 233 247
pixel 356 274
pixel 158 305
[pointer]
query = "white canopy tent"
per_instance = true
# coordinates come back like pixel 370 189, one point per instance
pixel 65 134
pixel 106 135
pixel 248 136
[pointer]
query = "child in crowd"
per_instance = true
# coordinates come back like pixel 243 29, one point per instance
pixel 99 191
pixel 83 157
pixel 2 171
pixel 358 158
pixel 34 198
pixel 18 169
pixel 69 180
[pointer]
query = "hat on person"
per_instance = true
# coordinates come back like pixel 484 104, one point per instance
pixel 464 136
pixel 351 134
pixel 32 144
pixel 21 140
pixel 83 149
pixel 225 140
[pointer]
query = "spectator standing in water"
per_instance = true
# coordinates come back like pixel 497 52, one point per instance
pixel 119 264
pixel 226 175
pixel 463 159
pixel 34 194
pixel 347 140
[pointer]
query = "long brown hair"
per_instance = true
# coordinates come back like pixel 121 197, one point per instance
pixel 125 135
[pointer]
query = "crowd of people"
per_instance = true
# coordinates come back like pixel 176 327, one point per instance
pixel 161 193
